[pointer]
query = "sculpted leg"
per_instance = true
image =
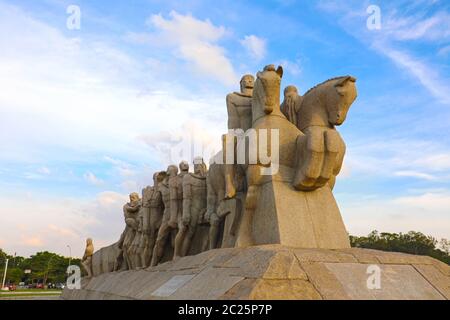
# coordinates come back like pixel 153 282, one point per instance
pixel 158 251
pixel 189 234
pixel 179 240
pixel 245 237
pixel 331 141
pixel 213 231
pixel 310 150
pixel 230 189
pixel 148 250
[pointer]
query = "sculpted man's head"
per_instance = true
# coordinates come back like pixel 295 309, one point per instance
pixel 88 241
pixel 172 170
pixel 247 84
pixel 158 177
pixel 134 197
pixel 184 166
pixel 199 166
pixel 290 91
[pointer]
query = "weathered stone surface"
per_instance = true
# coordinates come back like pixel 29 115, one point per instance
pixel 274 272
pixel 275 289
pixel 436 278
pixel 396 282
pixel 324 281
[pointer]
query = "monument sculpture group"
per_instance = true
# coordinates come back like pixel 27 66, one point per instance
pixel 261 221
pixel 236 204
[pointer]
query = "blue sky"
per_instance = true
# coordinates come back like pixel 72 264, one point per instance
pixel 86 116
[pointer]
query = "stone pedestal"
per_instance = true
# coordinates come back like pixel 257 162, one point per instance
pixel 277 272
pixel 299 219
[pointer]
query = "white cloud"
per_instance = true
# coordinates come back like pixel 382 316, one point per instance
pixel 195 41
pixel 427 213
pixel 294 68
pixel 422 159
pixel 415 174
pixel 87 95
pixel 255 46
pixel 186 142
pixel 44 170
pixel 40 222
pixel 401 28
pixel 92 178
pixel 421 71
pixel 416 27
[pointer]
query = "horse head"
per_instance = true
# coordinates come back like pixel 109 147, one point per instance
pixel 266 92
pixel 339 98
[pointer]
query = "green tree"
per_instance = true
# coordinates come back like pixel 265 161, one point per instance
pixel 412 242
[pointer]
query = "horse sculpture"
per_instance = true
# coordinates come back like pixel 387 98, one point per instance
pixel 285 207
pixel 322 153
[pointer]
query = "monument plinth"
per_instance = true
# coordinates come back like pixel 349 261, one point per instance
pixel 276 272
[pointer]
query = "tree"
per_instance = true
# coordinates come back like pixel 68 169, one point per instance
pixel 412 242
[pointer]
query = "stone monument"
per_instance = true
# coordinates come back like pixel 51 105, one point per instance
pixel 259 225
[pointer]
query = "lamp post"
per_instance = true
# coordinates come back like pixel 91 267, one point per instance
pixel 4 275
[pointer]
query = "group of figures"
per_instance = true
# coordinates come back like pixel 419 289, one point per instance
pixel 233 204
pixel 165 218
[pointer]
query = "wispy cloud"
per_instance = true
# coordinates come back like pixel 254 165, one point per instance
pixel 398 29
pixel 93 179
pixel 420 70
pixel 255 46
pixel 426 212
pixel 195 41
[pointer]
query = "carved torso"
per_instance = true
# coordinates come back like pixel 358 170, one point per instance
pixel 165 197
pixel 194 196
pixel 239 108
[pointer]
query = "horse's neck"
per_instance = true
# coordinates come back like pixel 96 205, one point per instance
pixel 313 110
pixel 258 111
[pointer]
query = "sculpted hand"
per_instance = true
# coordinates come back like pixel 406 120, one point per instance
pixel 186 220
pixel 207 216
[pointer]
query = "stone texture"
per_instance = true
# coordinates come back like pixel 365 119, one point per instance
pixel 436 278
pixel 397 282
pixel 275 272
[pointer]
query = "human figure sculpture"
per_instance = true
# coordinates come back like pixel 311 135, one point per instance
pixel 137 246
pixel 86 261
pixel 219 208
pixel 176 195
pixel 239 108
pixel 194 207
pixel 130 211
pixel 165 229
pixel 154 206
pixel 291 104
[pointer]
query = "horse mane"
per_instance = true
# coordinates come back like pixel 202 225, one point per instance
pixel 324 82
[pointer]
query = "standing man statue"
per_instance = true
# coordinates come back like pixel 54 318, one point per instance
pixel 86 261
pixel 153 211
pixel 165 229
pixel 194 207
pixel 130 211
pixel 239 108
pixel 176 195
pixel 291 104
